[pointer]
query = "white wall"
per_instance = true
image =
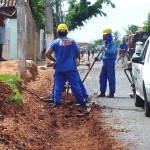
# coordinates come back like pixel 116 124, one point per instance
pixel 12 24
pixel 10 48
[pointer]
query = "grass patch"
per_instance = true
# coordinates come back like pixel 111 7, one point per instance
pixel 13 81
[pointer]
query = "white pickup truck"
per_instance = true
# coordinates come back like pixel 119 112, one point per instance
pixel 141 78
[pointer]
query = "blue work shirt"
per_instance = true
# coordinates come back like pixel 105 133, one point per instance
pixel 111 51
pixel 65 50
pixel 124 46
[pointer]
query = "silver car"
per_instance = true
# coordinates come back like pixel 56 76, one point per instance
pixel 141 78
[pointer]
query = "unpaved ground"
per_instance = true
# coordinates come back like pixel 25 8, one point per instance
pixel 37 126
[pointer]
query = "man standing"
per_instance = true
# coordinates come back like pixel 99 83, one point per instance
pixel 3 17
pixel 108 68
pixel 123 48
pixel 66 51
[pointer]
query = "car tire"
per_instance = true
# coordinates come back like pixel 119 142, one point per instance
pixel 146 105
pixel 138 101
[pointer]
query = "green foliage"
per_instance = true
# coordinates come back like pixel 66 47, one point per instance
pixel 13 81
pixel 116 36
pixel 95 45
pixel 38 13
pixel 131 29
pixel 80 12
pixel 146 26
pixel 99 41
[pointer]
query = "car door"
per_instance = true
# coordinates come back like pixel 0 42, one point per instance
pixel 140 71
pixel 146 73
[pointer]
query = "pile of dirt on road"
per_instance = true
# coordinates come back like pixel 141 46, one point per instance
pixel 36 125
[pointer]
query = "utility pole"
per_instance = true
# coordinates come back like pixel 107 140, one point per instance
pixel 57 13
pixel 21 39
pixel 48 24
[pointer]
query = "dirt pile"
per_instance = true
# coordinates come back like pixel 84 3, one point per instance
pixel 37 126
pixel 5 91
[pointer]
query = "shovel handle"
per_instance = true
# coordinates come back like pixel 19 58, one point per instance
pixel 92 65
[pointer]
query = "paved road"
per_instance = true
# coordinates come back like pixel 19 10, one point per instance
pixel 129 121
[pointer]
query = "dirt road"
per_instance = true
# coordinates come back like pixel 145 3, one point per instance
pixel 127 121
pixel 37 126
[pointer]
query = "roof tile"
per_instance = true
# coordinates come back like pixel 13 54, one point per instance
pixel 8 3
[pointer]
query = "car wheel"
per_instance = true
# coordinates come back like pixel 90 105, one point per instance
pixel 138 101
pixel 146 105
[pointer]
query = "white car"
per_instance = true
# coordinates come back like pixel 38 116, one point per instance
pixel 141 78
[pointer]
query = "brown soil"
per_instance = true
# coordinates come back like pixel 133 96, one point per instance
pixel 37 126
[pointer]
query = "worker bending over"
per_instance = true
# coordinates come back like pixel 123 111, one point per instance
pixel 66 51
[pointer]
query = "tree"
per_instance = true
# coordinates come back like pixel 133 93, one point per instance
pixel 117 37
pixel 95 45
pixel 146 26
pixel 80 12
pixel 38 13
pixel 131 29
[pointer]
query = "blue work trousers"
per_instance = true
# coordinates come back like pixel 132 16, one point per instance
pixel 72 77
pixel 83 89
pixel 84 92
pixel 108 73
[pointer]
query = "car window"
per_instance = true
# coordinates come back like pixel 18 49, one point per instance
pixel 145 50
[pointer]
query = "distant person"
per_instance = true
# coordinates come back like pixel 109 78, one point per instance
pixel 92 52
pixel 108 68
pixel 123 48
pixel 3 18
pixel 82 53
pixel 88 54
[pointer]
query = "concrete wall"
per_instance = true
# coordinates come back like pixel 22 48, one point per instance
pixel 34 38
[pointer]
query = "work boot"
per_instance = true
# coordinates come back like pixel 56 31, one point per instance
pixel 88 99
pixel 101 95
pixel 56 105
pixel 110 95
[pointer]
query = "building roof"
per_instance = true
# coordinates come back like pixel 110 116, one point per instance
pixel 8 7
pixel 83 44
pixel 8 3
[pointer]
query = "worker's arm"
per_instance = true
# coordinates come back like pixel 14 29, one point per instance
pixel 48 54
pixel 112 49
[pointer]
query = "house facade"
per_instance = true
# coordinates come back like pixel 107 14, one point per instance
pixel 34 36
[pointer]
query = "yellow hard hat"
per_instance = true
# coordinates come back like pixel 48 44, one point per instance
pixel 62 27
pixel 107 31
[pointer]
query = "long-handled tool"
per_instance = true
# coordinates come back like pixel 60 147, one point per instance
pixel 92 65
pixel 67 85
pixel 44 99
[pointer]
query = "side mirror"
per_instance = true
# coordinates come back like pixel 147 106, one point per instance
pixel 137 60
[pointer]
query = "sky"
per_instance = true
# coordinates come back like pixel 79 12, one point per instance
pixel 127 12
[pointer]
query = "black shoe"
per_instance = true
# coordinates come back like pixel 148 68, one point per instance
pixel 101 95
pixel 110 95
pixel 88 99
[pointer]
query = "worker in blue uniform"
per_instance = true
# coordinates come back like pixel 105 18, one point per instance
pixel 108 68
pixel 83 89
pixel 66 51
